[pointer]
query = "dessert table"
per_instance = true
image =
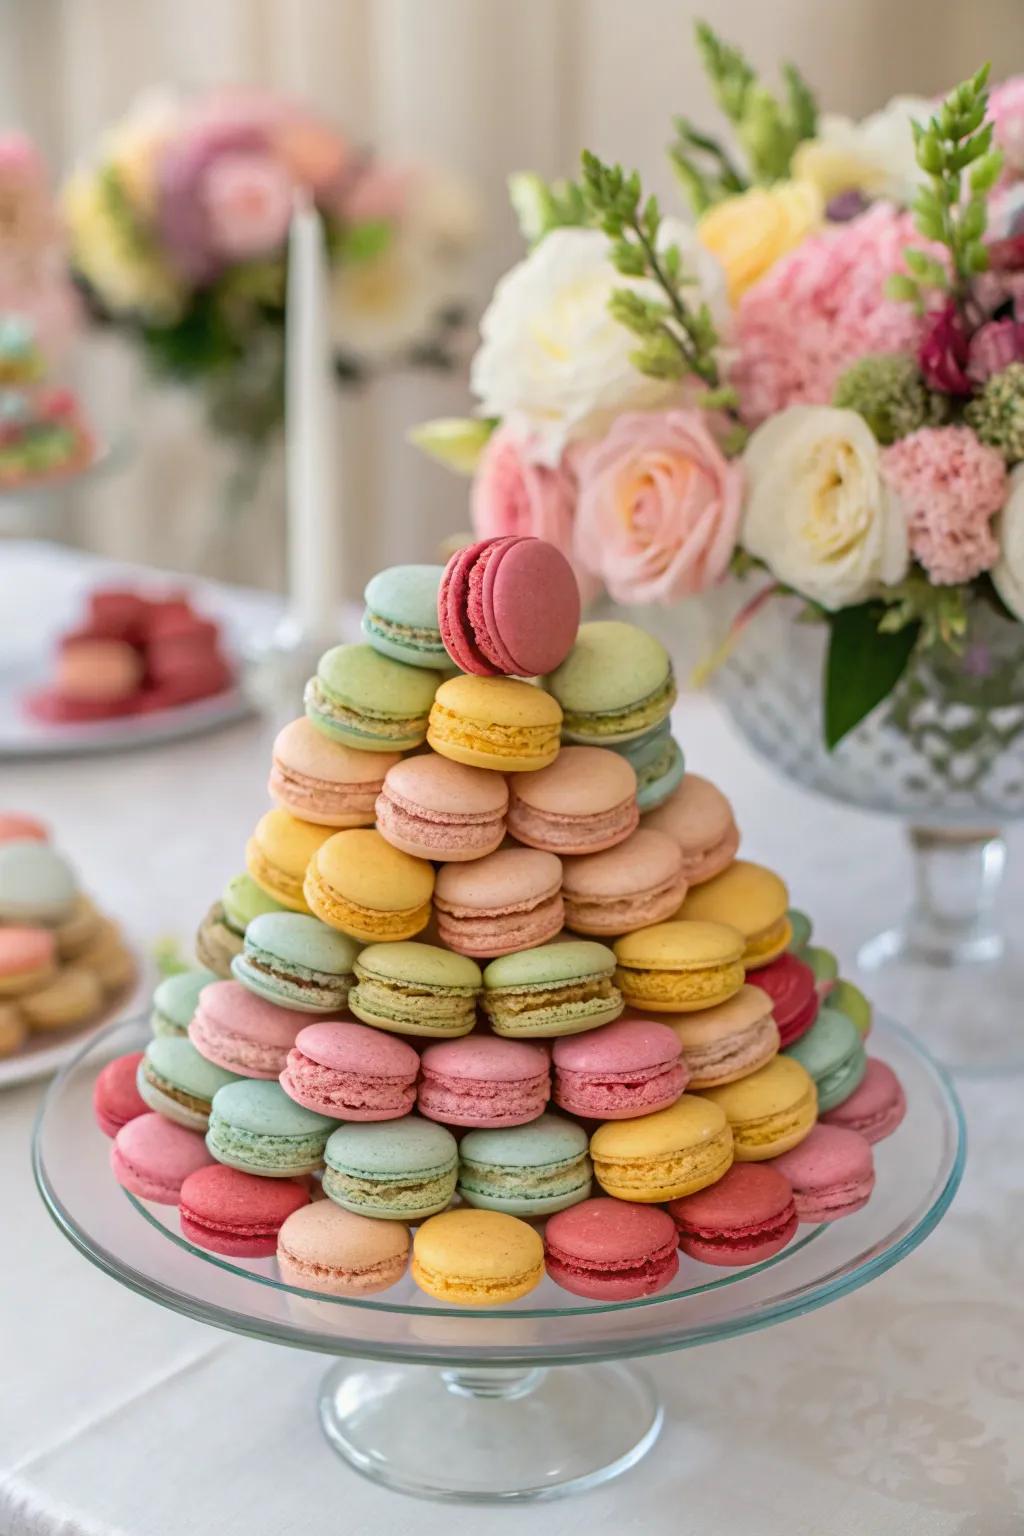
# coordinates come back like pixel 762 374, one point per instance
pixel 896 1410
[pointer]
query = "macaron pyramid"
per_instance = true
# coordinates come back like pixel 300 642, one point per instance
pixel 585 975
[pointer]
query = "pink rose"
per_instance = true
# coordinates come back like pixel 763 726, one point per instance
pixel 994 346
pixel 248 200
pixel 943 352
pixel 511 494
pixel 659 507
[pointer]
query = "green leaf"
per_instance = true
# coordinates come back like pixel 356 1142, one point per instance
pixel 863 666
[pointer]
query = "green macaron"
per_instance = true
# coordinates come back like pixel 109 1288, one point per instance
pixel 416 989
pixel 297 962
pixel 175 999
pixel 243 900
pixel 403 1170
pixel 801 929
pixel 178 1083
pixel 555 989
pixel 846 998
pixel 615 684
pixel 526 1170
pixel 657 760
pixel 256 1127
pixel 832 1051
pixel 400 620
pixel 364 699
pixel 821 961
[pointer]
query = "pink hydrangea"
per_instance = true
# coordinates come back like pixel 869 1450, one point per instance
pixel 820 309
pixel 950 486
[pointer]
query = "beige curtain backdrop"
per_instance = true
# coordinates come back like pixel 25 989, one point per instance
pixel 485 86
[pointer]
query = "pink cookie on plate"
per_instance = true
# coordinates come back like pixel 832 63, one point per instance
pixel 18 828
pixel 27 959
pixel 115 1097
pixel 508 606
pixel 631 1067
pixel 352 1072
pixel 481 1080
pixel 437 809
pixel 234 1028
pixel 832 1173
pixel 876 1108
pixel 235 1213
pixel 153 1157
pixel 611 1250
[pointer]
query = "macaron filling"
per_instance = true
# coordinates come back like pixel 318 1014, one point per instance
pixel 150 1078
pixel 501 1184
pixel 647 1177
pixel 426 642
pixel 642 1275
pixel 300 791
pixel 488 738
pixel 400 819
pixel 323 989
pixel 778 1126
pixel 271 877
pixel 533 1004
pixel 771 941
pixel 664 988
pixel 628 720
pixel 451 1010
pixel 594 1093
pixel 475 1290
pixel 385 1194
pixel 362 922
pixel 340 1091
pixel 264 1152
pixel 325 708
pixel 615 915
pixel 747 1049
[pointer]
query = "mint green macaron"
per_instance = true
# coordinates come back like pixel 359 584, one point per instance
pixel 657 760
pixel 256 1127
pixel 846 998
pixel 801 929
pixel 364 699
pixel 416 989
pixel 526 1170
pixel 555 989
pixel 297 962
pixel 175 999
pixel 821 961
pixel 400 620
pixel 243 900
pixel 402 1170
pixel 615 684
pixel 175 1081
pixel 832 1051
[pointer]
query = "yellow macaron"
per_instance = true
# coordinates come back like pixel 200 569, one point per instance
pixel 476 1258
pixel 278 854
pixel 663 1156
pixel 495 722
pixel 770 1111
pixel 361 884
pixel 750 898
pixel 678 967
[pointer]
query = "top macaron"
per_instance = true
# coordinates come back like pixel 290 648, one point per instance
pixel 400 620
pixel 508 606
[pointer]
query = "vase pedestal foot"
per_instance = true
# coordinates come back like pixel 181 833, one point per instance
pixel 950 969
pixel 489 1436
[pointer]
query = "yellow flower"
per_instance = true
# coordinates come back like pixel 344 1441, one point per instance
pixel 748 233
pixel 127 276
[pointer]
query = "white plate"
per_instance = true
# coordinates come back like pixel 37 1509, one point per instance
pixel 44 1054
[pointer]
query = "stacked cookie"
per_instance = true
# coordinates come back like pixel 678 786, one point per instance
pixel 467 988
pixel 62 962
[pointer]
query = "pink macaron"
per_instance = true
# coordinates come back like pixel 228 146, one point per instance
pixel 876 1108
pixel 508 901
pixel 481 1080
pixel 437 809
pixel 582 802
pixel 745 1218
pixel 628 1068
pixel 115 1097
pixel 152 1157
pixel 508 605
pixel 322 781
pixel 832 1173
pixel 700 819
pixel 27 958
pixel 637 883
pixel 236 1029
pixel 15 827
pixel 352 1072
pixel 611 1250
pixel 235 1213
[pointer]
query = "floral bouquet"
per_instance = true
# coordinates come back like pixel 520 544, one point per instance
pixel 178 233
pixel 821 378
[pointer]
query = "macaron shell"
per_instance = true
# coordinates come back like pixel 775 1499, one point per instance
pixel 237 1214
pixel 664 1155
pixel 616 684
pixel 497 905
pixel 401 615
pixel 631 1067
pixel 477 1258
pixel 324 1248
pixel 611 1250
pixel 876 1109
pixel 351 1072
pixel 400 1169
pixel 497 723
pixel 790 985
pixel 115 1094
pixel 435 808
pixel 679 966
pixel 832 1173
pixel 636 884
pixel 747 1217
pixel 242 1032
pixel 528 1170
pixel 770 1111
pixel 531 604
pixel 482 1080
pixel 324 782
pixel 581 803
pixel 151 1157
pixel 833 1053
pixel 700 819
pixel 729 1041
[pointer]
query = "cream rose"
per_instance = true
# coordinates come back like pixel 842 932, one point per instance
pixel 553 364
pixel 818 512
pixel 749 232
pixel 1008 572
pixel 875 155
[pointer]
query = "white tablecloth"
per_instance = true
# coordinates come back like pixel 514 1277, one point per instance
pixel 895 1411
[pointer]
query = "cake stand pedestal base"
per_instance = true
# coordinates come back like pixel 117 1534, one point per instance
pixel 489 1436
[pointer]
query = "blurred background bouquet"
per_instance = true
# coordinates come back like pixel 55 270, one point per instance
pixel 178 228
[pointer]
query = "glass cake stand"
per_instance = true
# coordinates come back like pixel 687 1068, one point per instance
pixel 535 1395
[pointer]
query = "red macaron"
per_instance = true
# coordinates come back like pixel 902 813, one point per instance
pixel 115 1097
pixel 235 1213
pixel 611 1250
pixel 790 984
pixel 508 606
pixel 748 1216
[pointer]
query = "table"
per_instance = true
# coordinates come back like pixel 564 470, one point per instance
pixel 895 1411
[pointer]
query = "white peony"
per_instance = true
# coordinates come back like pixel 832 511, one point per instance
pixel 1008 572
pixel 874 155
pixel 818 512
pixel 552 363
